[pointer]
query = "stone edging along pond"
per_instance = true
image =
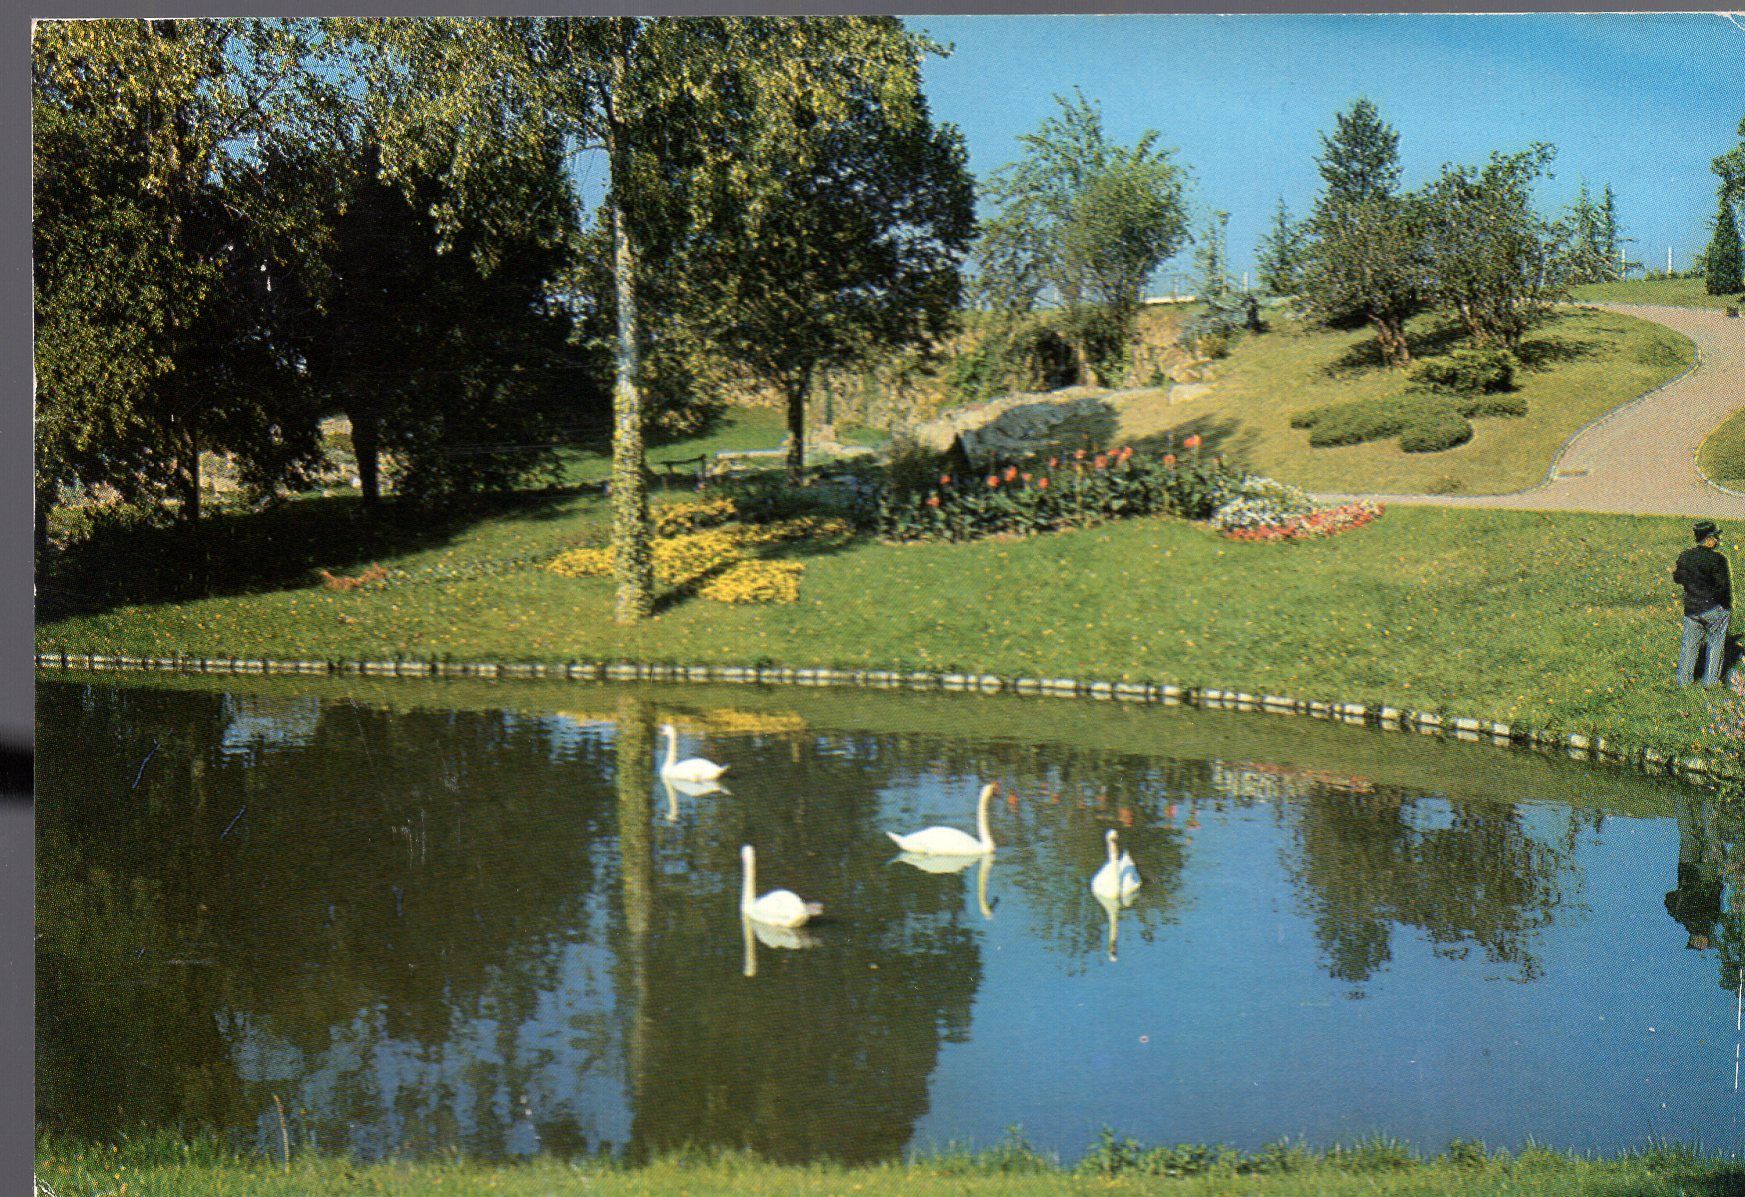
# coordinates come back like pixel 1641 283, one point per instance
pixel 1576 745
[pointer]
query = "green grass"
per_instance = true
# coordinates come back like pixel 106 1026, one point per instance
pixel 1565 621
pixel 1672 292
pixel 1722 456
pixel 738 429
pixel 154 1165
pixel 1583 364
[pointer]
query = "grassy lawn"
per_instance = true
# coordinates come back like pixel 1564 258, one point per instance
pixel 1584 364
pixel 1722 456
pixel 1673 292
pixel 739 429
pixel 1567 621
pixel 158 1167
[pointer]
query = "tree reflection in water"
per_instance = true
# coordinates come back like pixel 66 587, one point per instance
pixel 438 928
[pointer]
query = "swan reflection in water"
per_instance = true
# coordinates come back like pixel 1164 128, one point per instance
pixel 691 789
pixel 771 937
pixel 1113 907
pixel 956 864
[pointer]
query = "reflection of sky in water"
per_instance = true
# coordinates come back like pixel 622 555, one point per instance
pixel 1313 954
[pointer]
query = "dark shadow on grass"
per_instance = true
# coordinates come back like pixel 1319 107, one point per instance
pixel 1366 357
pixel 1549 350
pixel 1227 435
pixel 282 547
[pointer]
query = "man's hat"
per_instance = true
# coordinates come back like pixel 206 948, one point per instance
pixel 1705 529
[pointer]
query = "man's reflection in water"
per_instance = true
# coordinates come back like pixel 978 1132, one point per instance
pixel 1696 901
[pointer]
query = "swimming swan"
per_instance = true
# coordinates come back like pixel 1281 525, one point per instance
pixel 949 841
pixel 779 907
pixel 694 769
pixel 1118 878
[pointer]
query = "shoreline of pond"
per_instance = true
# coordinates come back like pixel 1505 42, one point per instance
pixel 1581 746
pixel 161 1163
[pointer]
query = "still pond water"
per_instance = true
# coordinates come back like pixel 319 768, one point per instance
pixel 472 918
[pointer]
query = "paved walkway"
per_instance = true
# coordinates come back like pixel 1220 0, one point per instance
pixel 1640 459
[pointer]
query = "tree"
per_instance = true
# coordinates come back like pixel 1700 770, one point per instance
pixel 1279 258
pixel 1086 221
pixel 163 231
pixel 461 373
pixel 1596 248
pixel 1488 255
pixel 1362 259
pixel 853 249
pixel 1212 260
pixel 1723 267
pixel 684 111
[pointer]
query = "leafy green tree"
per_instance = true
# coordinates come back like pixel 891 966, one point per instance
pixel 1723 266
pixel 1213 260
pixel 1489 256
pixel 1084 222
pixel 684 110
pixel 460 373
pixel 162 245
pixel 1596 248
pixel 1279 258
pixel 852 250
pixel 1362 259
pixel 1731 167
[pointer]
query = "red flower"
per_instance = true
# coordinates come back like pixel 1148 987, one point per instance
pixel 1054 463
pixel 1026 477
pixel 1079 455
pixel 1042 484
pixel 1192 442
pixel 1169 461
pixel 932 500
pixel 1102 461
pixel 1011 473
pixel 945 479
pixel 993 480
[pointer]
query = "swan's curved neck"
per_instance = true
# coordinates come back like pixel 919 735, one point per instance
pixel 982 818
pixel 1114 857
pixel 672 745
pixel 748 890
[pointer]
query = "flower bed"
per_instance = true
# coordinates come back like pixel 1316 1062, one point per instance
pixel 1065 492
pixel 1310 525
pixel 720 558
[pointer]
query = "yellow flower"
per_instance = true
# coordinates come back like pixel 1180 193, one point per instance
pixel 755 582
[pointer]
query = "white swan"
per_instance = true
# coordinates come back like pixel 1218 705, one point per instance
pixel 1118 878
pixel 949 841
pixel 779 907
pixel 694 769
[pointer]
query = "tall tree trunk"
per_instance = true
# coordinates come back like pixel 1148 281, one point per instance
pixel 632 555
pixel 366 445
pixel 188 474
pixel 796 387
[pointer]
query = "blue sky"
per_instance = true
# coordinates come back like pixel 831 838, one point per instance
pixel 1640 101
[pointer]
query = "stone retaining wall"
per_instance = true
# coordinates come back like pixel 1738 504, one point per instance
pixel 1577 745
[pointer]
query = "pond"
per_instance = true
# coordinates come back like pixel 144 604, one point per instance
pixel 469 916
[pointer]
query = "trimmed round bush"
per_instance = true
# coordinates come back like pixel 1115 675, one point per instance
pixel 1469 370
pixel 1436 431
pixel 1492 405
pixel 1354 423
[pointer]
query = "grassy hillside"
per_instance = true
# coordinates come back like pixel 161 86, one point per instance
pixel 1582 365
pixel 1673 292
pixel 1722 457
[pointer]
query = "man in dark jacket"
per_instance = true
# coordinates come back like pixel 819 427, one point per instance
pixel 1708 603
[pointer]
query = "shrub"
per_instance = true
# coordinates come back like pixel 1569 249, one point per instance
pixel 1260 502
pixel 1492 405
pixel 1063 492
pixel 1435 432
pixel 1219 323
pixel 1469 370
pixel 1364 420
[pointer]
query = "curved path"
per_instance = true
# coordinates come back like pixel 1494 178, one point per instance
pixel 1641 458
